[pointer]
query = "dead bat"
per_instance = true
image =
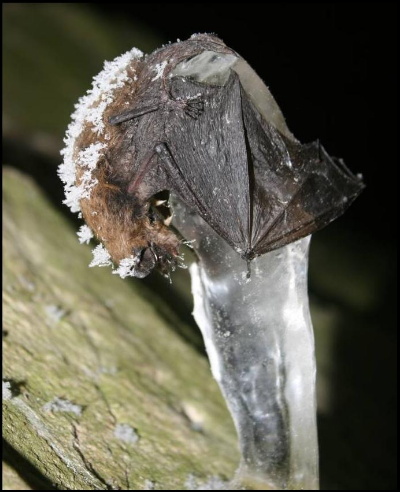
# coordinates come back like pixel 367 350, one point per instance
pixel 185 122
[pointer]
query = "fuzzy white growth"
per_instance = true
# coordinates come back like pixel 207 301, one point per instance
pixel 159 69
pixel 62 405
pixel 213 483
pixel 90 110
pixel 101 257
pixel 126 433
pixel 126 267
pixel 6 391
pixel 55 313
pixel 85 234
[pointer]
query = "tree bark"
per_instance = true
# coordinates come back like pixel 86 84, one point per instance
pixel 99 390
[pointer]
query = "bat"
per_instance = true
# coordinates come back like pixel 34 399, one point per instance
pixel 184 122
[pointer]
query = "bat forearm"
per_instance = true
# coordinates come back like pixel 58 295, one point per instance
pixel 130 114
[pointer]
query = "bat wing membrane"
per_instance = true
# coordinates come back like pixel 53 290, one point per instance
pixel 296 189
pixel 211 156
pixel 256 188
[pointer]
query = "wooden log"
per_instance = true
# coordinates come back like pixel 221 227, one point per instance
pixel 99 390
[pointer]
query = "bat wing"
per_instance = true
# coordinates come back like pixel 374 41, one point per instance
pixel 256 188
pixel 208 159
pixel 296 189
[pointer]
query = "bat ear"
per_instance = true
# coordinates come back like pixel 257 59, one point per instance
pixel 146 261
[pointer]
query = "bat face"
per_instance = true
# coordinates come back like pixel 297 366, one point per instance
pixel 184 120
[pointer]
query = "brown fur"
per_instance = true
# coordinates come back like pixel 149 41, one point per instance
pixel 121 232
pixel 120 218
pixel 117 219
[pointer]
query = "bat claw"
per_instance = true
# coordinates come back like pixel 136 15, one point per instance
pixel 194 107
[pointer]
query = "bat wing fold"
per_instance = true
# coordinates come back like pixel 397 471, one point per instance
pixel 296 189
pixel 211 155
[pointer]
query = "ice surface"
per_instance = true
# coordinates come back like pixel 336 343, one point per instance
pixel 261 97
pixel 257 330
pixel 207 67
pixel 259 339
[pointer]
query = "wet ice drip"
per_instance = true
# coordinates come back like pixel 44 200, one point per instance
pixel 259 339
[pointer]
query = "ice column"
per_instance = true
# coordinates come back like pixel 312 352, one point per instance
pixel 260 343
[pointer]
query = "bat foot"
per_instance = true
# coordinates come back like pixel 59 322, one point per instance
pixel 193 106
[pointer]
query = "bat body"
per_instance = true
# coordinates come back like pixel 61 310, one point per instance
pixel 188 126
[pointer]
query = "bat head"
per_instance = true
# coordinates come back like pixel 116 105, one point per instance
pixel 133 232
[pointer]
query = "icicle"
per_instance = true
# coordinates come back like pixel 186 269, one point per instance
pixel 260 343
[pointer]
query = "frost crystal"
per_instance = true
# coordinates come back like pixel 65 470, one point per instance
pixel 87 160
pixel 90 109
pixel 84 234
pixel 101 257
pixel 159 69
pixel 126 267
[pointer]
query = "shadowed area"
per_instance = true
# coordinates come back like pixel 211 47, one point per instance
pixel 24 470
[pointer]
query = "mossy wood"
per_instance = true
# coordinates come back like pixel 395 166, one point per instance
pixel 100 391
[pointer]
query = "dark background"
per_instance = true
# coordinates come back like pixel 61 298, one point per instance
pixel 333 70
pixel 331 67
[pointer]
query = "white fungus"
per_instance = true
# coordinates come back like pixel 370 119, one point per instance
pixel 62 405
pixel 55 313
pixel 149 485
pixel 126 433
pixel 6 390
